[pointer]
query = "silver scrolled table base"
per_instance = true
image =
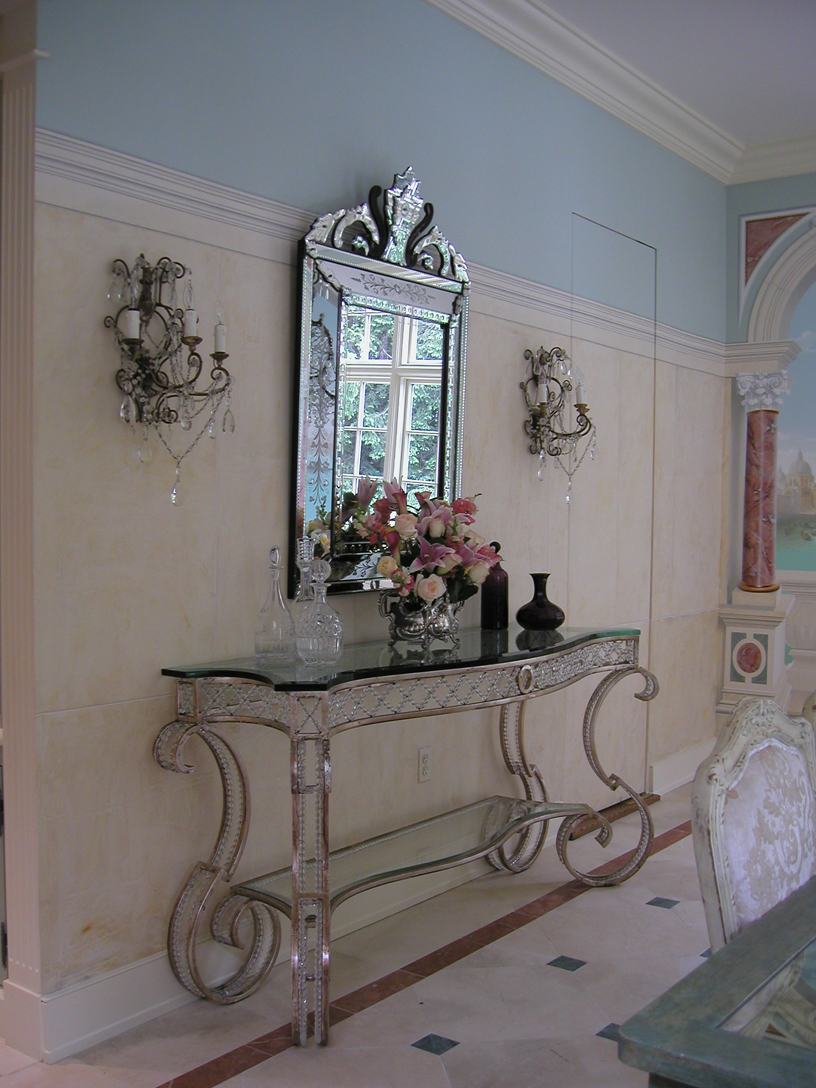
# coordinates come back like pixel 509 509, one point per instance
pixel 310 718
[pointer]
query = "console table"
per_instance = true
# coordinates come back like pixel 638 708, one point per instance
pixel 372 683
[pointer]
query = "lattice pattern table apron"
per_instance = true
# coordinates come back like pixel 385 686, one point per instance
pixel 370 684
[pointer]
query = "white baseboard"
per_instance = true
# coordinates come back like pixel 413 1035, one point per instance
pixel 667 774
pixel 58 1025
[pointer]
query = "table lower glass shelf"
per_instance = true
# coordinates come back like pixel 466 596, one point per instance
pixel 441 842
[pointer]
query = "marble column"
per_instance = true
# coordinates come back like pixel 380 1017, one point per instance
pixel 762 394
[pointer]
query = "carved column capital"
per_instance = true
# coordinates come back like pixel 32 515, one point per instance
pixel 763 392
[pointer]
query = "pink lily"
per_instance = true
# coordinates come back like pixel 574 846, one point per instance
pixel 396 496
pixel 430 555
pixel 366 492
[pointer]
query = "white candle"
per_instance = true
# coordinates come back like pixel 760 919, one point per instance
pixel 220 336
pixel 130 325
pixel 579 393
pixel 190 323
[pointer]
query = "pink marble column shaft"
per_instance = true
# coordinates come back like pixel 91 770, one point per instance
pixel 759 516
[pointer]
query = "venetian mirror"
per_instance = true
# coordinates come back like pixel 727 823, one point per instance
pixel 380 371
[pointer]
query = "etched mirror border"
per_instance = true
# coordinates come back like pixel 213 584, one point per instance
pixel 385 256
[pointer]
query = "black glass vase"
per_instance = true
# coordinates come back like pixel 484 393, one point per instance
pixel 540 614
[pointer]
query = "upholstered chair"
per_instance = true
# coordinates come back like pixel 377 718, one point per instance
pixel 753 816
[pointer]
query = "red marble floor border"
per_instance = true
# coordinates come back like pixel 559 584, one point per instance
pixel 259 1050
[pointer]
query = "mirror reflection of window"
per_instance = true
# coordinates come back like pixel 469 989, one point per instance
pixel 391 399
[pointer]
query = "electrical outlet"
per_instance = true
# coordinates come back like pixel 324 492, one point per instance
pixel 424 764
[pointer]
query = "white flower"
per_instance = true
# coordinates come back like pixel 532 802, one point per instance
pixel 436 527
pixel 429 587
pixel 387 565
pixel 405 524
pixel 478 572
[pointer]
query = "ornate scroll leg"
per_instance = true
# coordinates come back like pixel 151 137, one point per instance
pixel 612 781
pixel 311 904
pixel 191 907
pixel 527 846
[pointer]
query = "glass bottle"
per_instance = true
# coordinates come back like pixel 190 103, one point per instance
pixel 275 633
pixel 494 596
pixel 320 635
pixel 305 591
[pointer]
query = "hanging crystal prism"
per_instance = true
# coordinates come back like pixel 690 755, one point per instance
pixel 176 495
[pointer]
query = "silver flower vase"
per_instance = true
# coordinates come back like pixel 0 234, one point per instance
pixel 420 622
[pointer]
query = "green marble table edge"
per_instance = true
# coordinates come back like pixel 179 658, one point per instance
pixel 309 679
pixel 680 1037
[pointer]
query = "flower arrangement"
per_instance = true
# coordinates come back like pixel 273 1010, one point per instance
pixel 430 550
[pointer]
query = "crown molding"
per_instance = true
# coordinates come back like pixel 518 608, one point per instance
pixel 531 31
pixel 778 160
pixel 86 178
pixel 760 358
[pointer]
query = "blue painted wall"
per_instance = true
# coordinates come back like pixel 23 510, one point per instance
pixel 753 198
pixel 311 102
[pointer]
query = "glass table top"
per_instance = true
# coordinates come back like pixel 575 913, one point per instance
pixel 784 1009
pixel 436 843
pixel 366 660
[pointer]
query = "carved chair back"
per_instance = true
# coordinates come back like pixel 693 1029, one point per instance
pixel 753 816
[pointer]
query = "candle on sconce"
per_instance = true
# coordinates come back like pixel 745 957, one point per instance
pixel 190 323
pixel 130 324
pixel 580 394
pixel 220 337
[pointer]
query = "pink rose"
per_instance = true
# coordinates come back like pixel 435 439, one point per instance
pixel 478 572
pixel 405 524
pixel 430 587
pixel 387 565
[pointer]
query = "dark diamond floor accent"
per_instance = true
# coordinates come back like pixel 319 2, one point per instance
pixel 659 901
pixel 706 955
pixel 611 1031
pixel 435 1044
pixel 567 963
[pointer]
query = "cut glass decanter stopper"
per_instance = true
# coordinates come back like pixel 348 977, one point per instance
pixel 305 591
pixel 320 636
pixel 275 633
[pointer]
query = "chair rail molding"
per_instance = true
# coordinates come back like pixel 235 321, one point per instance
pixel 84 177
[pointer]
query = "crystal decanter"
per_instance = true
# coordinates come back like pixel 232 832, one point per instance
pixel 305 590
pixel 320 633
pixel 275 633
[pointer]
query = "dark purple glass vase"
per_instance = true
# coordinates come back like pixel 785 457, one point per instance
pixel 494 597
pixel 540 614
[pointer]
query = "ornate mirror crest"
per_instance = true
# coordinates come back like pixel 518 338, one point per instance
pixel 381 368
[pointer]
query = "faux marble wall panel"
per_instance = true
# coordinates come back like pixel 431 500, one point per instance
pixel 127 583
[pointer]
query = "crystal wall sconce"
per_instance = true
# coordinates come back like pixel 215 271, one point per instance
pixel 161 387
pixel 549 394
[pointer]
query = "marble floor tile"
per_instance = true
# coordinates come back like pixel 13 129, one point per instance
pixel 462 966
pixel 11 1060
pixel 585 1062
pixel 319 1067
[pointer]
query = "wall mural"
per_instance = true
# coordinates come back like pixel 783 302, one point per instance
pixel 796 460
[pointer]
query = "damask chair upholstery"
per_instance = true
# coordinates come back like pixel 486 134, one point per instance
pixel 754 816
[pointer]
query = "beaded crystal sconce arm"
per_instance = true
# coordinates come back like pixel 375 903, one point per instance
pixel 160 386
pixel 547 395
